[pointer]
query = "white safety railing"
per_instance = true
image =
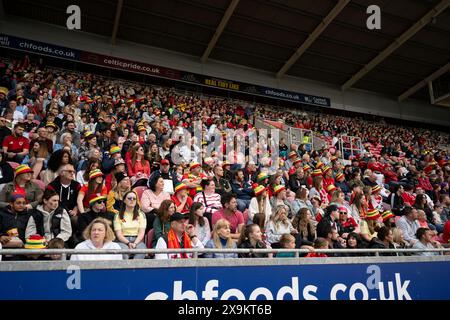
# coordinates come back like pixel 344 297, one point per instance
pixel 198 252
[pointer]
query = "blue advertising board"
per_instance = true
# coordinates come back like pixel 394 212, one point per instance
pixel 39 47
pixel 362 281
pixel 139 67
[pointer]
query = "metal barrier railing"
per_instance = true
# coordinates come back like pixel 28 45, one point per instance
pixel 197 252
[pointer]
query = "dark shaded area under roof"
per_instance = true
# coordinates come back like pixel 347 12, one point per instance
pixel 264 34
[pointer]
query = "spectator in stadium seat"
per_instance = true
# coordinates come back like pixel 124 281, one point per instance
pixel 181 198
pixel 301 200
pixel 251 238
pixel 287 241
pixel 58 159
pixel 115 196
pixel 22 184
pixel 242 189
pixel 260 204
pixel 166 172
pixel 43 139
pixel 6 171
pixel 16 146
pixel 320 244
pixel 83 174
pixel 138 166
pixel 180 236
pixel 37 159
pixel 94 186
pixel 297 180
pixel 425 241
pixel 130 225
pixel 353 241
pixel 98 235
pixel 330 218
pixel 4 130
pixel 49 219
pixel 409 225
pixel 221 239
pixel 396 201
pixel 280 199
pixel 161 224
pixel 408 195
pixel 96 210
pixel 200 222
pixel 305 225
pixel 152 198
pixel 230 213
pixel 222 185
pixel 209 198
pixel 278 225
pixel 90 143
pixel 13 221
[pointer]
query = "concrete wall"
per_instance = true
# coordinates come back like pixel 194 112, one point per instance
pixel 351 100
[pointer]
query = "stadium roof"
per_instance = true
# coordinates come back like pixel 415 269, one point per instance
pixel 323 40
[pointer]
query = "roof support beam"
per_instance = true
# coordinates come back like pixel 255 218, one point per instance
pixel 116 21
pixel 313 36
pixel 424 82
pixel 219 30
pixel 397 43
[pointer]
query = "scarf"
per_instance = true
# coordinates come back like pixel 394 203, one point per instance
pixel 173 243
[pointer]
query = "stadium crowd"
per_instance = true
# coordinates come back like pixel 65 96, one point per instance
pixel 89 162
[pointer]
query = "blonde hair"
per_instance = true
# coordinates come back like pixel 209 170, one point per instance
pixel 109 234
pixel 221 223
pixel 285 239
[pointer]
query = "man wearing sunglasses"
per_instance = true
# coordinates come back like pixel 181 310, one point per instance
pixel 97 209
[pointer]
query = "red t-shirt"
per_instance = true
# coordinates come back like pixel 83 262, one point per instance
pixel 16 144
pixel 235 220
pixel 187 205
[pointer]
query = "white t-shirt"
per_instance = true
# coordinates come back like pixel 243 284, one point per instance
pixel 89 245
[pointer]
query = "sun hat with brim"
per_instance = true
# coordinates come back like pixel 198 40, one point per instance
pixel 96 198
pixel 194 165
pixel 141 128
pixel 262 176
pixel 333 158
pixel 23 168
pixel 95 173
pixel 292 154
pixel 180 186
pixel 35 242
pixel 331 188
pixel 340 176
pixel 386 215
pixel 306 167
pixel 317 173
pixel 115 149
pixel 297 161
pixel 226 163
pixel 326 169
pixel 376 188
pixel 372 214
pixel 51 125
pixel 319 164
pixel 278 189
pixel 89 135
pixel 259 190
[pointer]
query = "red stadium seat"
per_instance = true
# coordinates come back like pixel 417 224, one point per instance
pixel 139 191
pixel 149 238
pixel 40 184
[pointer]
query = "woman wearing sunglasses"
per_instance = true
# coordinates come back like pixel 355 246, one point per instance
pixel 130 224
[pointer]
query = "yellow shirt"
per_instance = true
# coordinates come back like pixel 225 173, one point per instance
pixel 365 229
pixel 128 226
